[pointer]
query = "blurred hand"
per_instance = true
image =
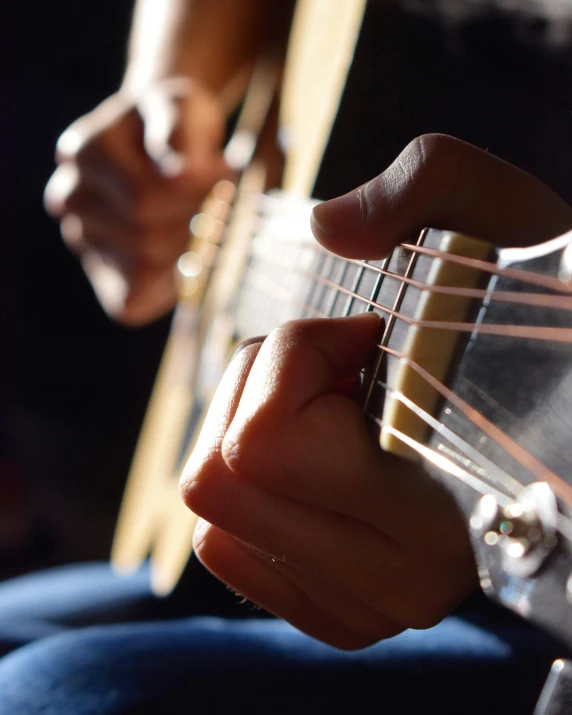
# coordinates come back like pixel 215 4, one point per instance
pixel 302 514
pixel 130 175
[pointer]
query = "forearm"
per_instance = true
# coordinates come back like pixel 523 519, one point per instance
pixel 211 41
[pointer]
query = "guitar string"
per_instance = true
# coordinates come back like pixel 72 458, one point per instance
pixel 522 331
pixel 563 524
pixel 515 450
pixel 539 300
pixel 534 299
pixel 510 484
pixel 490 469
pixel 477 459
pixel 389 325
pixel 518 274
pixel 267 284
pixel 526 332
pixel 540 471
pixel 551 334
pixel 450 326
pixel 447 465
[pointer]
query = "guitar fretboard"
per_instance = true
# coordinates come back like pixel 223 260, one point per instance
pixel 288 276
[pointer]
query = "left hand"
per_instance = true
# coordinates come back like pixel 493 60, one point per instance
pixel 308 518
pixel 304 515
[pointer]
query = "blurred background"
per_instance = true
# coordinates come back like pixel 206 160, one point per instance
pixel 73 386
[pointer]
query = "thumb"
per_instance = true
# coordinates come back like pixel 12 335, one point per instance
pixel 441 182
pixel 184 128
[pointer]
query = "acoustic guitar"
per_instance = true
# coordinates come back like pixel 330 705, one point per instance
pixel 472 374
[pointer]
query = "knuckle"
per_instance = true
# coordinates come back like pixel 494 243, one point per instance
pixel 63 183
pixel 433 147
pixel 201 544
pixel 430 166
pixel 357 641
pixel 92 135
pixel 291 336
pixel 255 450
pixel 352 642
pixel 196 485
pixel 425 618
pixel 73 234
pixel 244 452
pixel 435 154
pixel 88 148
pixel 422 610
pixel 188 492
pixel 258 445
pixel 73 202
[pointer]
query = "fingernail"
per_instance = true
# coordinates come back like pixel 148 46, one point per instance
pixel 339 215
pixel 376 322
pixel 365 316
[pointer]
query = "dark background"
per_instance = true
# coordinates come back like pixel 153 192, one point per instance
pixel 73 386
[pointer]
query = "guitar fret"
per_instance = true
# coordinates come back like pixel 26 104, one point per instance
pixel 401 293
pixel 314 286
pixel 378 282
pixel 354 289
pixel 382 360
pixel 340 299
pixel 324 289
pixel 342 266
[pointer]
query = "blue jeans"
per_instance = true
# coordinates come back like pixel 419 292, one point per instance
pixel 480 660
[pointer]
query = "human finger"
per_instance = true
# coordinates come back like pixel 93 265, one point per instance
pixel 70 190
pixel 137 251
pixel 111 134
pixel 291 422
pixel 441 182
pixel 306 601
pixel 412 586
pixel 184 130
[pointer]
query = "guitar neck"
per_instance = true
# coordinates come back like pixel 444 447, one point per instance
pixel 474 341
pixel 287 275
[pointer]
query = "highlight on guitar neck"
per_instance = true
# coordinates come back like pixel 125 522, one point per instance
pixel 152 519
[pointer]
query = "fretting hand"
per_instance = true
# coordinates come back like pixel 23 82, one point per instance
pixel 302 514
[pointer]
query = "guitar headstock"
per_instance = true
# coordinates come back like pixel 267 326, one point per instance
pixel 500 439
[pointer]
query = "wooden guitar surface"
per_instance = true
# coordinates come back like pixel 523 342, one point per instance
pixel 152 518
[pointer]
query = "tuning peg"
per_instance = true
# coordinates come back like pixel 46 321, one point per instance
pixel 565 270
pixel 524 530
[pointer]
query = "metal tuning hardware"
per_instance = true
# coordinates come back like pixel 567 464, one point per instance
pixel 556 696
pixel 524 530
pixel 565 272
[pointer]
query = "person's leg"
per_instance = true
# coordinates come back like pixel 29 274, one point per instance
pixel 494 666
pixel 55 600
pixel 49 602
